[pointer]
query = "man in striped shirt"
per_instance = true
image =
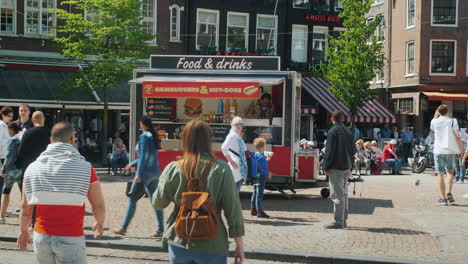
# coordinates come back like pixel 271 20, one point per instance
pixel 58 183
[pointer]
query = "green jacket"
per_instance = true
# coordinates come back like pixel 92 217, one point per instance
pixel 220 184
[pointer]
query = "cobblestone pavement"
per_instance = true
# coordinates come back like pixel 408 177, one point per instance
pixel 389 217
pixel 10 255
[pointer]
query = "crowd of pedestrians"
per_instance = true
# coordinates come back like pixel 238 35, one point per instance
pixel 56 180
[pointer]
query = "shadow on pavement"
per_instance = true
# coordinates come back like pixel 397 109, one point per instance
pixel 385 230
pixel 91 237
pixel 281 221
pixel 311 204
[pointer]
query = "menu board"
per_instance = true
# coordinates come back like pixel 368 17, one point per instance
pixel 273 135
pixel 160 109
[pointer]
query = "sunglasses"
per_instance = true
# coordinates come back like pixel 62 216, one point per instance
pixel 240 124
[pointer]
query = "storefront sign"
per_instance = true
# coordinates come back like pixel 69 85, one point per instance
pixel 233 63
pixel 323 18
pixel 234 90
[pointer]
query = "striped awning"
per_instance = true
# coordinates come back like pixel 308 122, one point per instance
pixel 372 112
pixel 309 110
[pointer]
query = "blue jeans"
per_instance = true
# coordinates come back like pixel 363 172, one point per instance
pixel 132 204
pixel 59 249
pixel 461 171
pixel 180 255
pixel 396 163
pixel 257 195
pixel 239 185
pixel 115 161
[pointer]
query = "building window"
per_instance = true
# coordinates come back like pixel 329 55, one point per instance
pixel 207 28
pixel 301 3
pixel 319 44
pixel 380 77
pixel 410 58
pixel 148 8
pixel 380 32
pixel 444 12
pixel 369 20
pixel 404 105
pixel 8 16
pixel 237 32
pixel 267 30
pixel 175 22
pixel 39 18
pixel 411 13
pixel 338 6
pixel 443 57
pixel 318 5
pixel 299 43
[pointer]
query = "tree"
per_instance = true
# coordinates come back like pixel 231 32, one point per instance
pixel 355 56
pixel 109 41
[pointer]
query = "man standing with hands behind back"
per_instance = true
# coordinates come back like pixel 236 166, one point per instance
pixel 339 158
pixel 447 149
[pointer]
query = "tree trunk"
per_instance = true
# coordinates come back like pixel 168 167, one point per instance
pixel 105 120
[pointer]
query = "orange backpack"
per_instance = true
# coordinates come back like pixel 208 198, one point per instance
pixel 197 218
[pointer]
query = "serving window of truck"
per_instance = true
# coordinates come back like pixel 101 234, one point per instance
pixel 177 89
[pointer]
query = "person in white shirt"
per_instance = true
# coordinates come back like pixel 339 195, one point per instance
pixel 234 149
pixel 6 114
pixel 447 149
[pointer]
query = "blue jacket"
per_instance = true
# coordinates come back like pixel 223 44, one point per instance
pixel 262 164
pixel 9 166
pixel 147 162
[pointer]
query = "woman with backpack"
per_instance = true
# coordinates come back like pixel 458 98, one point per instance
pixel 234 150
pixel 147 173
pixel 196 232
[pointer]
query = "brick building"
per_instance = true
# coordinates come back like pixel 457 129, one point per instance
pixel 426 45
pixel 31 68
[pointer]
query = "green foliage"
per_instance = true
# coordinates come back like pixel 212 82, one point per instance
pixel 109 43
pixel 355 56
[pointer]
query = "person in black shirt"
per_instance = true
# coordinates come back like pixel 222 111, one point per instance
pixel 338 161
pixel 33 142
pixel 23 121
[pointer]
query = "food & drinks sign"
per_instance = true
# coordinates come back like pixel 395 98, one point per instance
pixel 217 63
pixel 224 90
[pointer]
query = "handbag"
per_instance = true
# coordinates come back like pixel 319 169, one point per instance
pixel 135 190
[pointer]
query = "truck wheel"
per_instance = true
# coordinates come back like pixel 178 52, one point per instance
pixel 325 193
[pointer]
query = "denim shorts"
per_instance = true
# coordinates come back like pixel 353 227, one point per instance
pixel 444 162
pixel 59 249
pixel 8 184
pixel 180 255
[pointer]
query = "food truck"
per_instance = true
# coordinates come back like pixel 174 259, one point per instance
pixel 178 88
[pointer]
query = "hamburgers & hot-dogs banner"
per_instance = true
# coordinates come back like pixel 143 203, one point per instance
pixel 219 90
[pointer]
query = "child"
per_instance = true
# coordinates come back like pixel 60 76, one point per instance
pixel 9 170
pixel 259 186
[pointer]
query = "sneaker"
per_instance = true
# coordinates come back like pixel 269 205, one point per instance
pixel 118 231
pixel 465 196
pixel 450 198
pixel 334 226
pixel 17 210
pixel 262 214
pixel 253 212
pixel 457 182
pixel 2 220
pixel 442 201
pixel 113 173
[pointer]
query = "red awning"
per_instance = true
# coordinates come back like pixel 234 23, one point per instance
pixel 372 112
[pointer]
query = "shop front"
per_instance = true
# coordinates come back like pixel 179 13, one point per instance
pixel 373 114
pixel 178 89
pixel 41 85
